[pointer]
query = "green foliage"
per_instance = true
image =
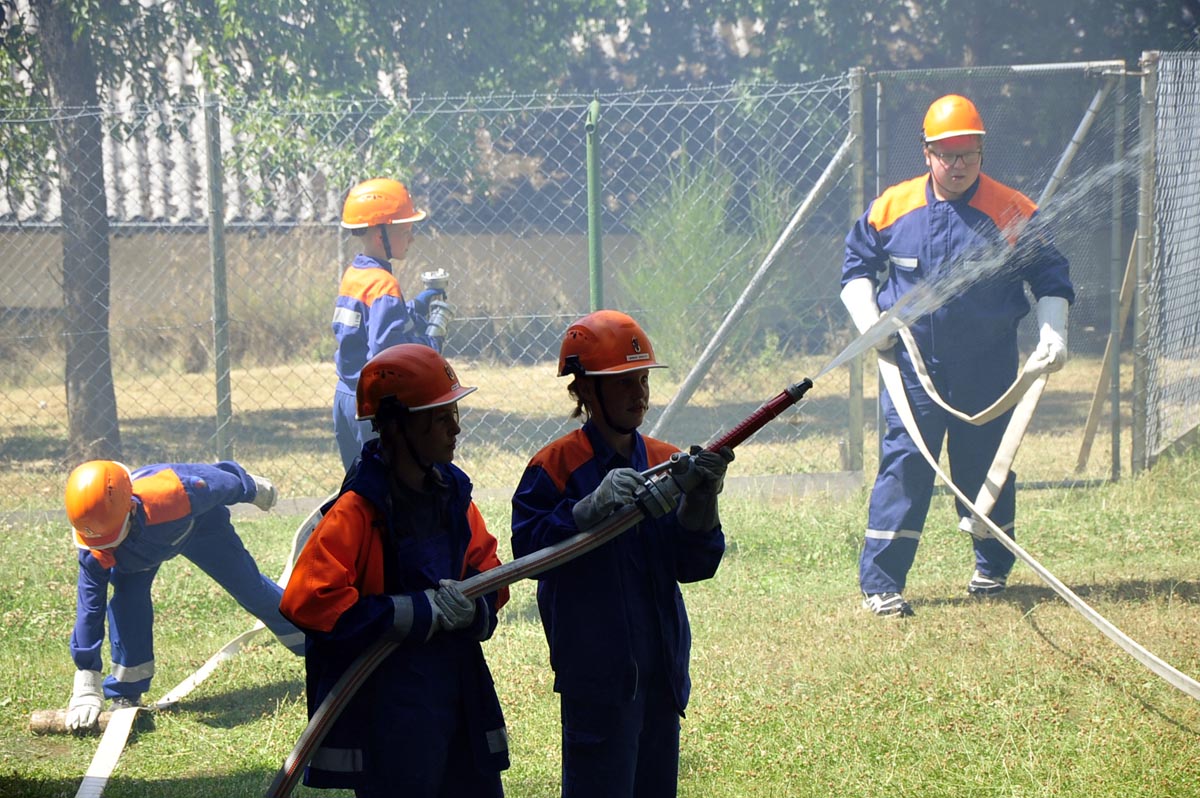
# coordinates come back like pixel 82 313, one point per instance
pixel 692 259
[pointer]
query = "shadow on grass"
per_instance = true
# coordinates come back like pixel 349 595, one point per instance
pixel 247 783
pixel 231 709
pixel 1029 597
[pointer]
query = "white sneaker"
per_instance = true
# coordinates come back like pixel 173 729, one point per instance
pixel 981 585
pixel 887 605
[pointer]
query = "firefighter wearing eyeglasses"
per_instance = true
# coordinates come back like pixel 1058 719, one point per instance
pixel 942 224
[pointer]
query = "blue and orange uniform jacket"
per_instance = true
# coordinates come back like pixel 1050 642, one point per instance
pixel 362 552
pixel 911 237
pixel 177 506
pixel 610 614
pixel 369 315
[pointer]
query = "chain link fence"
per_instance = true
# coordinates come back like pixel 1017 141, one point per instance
pixel 723 212
pixel 1169 316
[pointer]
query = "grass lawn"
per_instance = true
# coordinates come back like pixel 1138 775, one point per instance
pixel 796 690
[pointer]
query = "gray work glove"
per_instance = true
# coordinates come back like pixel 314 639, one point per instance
pixel 86 701
pixel 614 491
pixel 402 614
pixel 265 495
pixel 458 611
pixel 698 508
pixel 441 313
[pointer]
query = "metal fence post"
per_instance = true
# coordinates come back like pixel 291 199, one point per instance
pixel 854 442
pixel 595 208
pixel 1145 234
pixel 220 298
pixel 1116 275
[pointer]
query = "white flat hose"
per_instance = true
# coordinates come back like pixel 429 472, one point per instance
pixel 890 374
pixel 120 725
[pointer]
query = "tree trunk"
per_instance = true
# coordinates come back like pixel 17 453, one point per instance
pixel 93 430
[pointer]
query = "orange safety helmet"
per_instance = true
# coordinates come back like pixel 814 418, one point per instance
pixel 950 116
pixel 605 342
pixel 414 375
pixel 378 201
pixel 99 501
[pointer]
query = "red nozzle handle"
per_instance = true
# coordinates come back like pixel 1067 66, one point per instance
pixel 759 418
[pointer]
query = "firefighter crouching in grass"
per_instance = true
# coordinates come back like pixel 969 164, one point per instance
pixel 383 563
pixel 127 524
pixel 614 618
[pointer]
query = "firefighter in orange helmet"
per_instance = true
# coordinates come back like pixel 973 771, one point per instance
pixel 371 313
pixel 128 523
pixel 614 618
pixel 385 561
pixel 927 227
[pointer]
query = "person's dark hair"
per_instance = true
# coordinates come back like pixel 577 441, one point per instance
pixel 581 409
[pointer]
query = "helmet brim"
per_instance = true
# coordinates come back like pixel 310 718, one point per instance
pixel 949 134
pixel 416 217
pixel 623 368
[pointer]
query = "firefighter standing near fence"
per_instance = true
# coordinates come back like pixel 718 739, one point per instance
pixel 923 229
pixel 383 562
pixel 371 313
pixel 614 618
pixel 127 524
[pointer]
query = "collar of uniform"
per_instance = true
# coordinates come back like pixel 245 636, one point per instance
pixel 931 198
pixel 608 457
pixel 362 261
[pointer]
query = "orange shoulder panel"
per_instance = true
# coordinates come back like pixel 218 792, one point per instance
pixel 341 561
pixel 1008 208
pixel 895 202
pixel 163 497
pixel 658 451
pixel 481 551
pixel 560 458
pixel 367 285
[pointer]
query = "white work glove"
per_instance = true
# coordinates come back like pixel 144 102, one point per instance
pixel 1051 352
pixel 458 611
pixel 86 700
pixel 614 491
pixel 402 614
pixel 265 496
pixel 698 508
pixel 858 296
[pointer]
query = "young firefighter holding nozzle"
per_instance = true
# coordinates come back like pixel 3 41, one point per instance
pixel 127 524
pixel 614 618
pixel 384 562
pixel 371 313
pixel 927 228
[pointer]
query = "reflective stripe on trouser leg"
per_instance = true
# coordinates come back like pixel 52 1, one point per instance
pixel 901 495
pixel 131 634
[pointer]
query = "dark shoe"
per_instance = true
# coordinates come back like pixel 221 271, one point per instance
pixel 981 585
pixel 125 702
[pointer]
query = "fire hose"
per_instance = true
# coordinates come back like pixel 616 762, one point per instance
pixel 1024 394
pixel 118 725
pixel 664 485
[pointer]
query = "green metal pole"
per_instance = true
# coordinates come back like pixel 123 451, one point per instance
pixel 595 259
pixel 220 298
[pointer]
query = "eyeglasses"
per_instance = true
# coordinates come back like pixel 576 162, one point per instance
pixel 950 159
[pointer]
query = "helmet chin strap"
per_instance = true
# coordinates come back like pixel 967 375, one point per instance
pixel 604 411
pixel 387 244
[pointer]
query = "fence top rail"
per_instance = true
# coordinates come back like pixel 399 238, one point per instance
pixel 1011 69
